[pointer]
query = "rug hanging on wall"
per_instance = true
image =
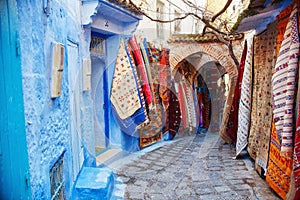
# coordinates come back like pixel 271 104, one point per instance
pixel 245 102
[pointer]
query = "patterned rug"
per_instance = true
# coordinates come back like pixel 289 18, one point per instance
pixel 279 167
pixel 164 84
pixel 260 131
pixel 141 69
pixel 174 111
pixel 283 83
pixel 245 102
pixel 152 132
pixel 184 116
pixel 124 95
pixel 232 124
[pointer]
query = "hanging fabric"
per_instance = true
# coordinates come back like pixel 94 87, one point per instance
pixel 174 111
pixel 232 124
pixel 245 102
pixel 141 69
pixel 164 84
pixel 279 168
pixel 283 83
pixel 265 44
pixel 152 132
pixel 124 95
pixel 182 103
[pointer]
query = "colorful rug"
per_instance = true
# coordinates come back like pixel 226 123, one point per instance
pixel 264 96
pixel 283 83
pixel 245 102
pixel 124 95
pixel 174 111
pixel 205 105
pixel 164 84
pixel 181 98
pixel 226 110
pixel 232 124
pixel 130 54
pixel 279 168
pixel 296 161
pixel 152 132
pixel 141 69
pixel 145 54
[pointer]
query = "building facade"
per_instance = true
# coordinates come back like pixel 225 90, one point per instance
pixel 60 91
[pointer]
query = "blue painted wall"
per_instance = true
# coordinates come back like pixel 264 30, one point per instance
pixel 48 120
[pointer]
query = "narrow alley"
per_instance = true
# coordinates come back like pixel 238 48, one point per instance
pixel 189 167
pixel 150 99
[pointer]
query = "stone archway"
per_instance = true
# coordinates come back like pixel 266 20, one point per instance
pixel 181 50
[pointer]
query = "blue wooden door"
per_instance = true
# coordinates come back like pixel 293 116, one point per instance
pixel 14 176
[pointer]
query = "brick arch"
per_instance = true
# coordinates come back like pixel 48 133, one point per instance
pixel 180 51
pixel 219 52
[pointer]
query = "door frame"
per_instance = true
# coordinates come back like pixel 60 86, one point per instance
pixel 14 166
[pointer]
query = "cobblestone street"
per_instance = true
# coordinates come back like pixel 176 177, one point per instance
pixel 190 167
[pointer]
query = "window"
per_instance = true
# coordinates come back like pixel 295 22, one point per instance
pixel 159 15
pixel 57 182
pixel 177 23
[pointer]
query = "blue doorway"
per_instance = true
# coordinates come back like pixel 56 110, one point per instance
pixel 14 167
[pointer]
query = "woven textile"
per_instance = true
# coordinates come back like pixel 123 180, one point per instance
pixel 283 83
pixel 124 95
pixel 145 54
pixel 279 168
pixel 264 52
pixel 245 102
pixel 267 43
pixel 164 84
pixel 138 82
pixel 190 107
pixel 205 104
pixel 181 99
pixel 152 132
pixel 174 111
pixel 296 161
pixel 144 81
pixel 232 124
pixel 200 97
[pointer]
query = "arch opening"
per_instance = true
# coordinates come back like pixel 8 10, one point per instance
pixel 205 80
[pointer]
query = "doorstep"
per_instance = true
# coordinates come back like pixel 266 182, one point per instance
pixel 107 155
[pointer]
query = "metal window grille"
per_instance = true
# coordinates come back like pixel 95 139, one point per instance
pixel 57 182
pixel 97 45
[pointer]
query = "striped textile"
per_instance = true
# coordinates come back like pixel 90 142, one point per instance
pixel 124 95
pixel 232 124
pixel 129 51
pixel 283 83
pixel 245 102
pixel 152 132
pixel 140 65
pixel 145 54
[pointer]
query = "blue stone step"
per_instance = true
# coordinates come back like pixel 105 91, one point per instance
pixel 94 183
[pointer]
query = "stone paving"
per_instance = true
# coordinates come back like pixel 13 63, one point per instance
pixel 190 167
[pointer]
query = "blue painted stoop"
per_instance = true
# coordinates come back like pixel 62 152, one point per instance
pixel 94 183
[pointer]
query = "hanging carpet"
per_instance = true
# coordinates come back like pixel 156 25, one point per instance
pixel 232 124
pixel 265 44
pixel 152 132
pixel 245 102
pixel 279 167
pixel 124 95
